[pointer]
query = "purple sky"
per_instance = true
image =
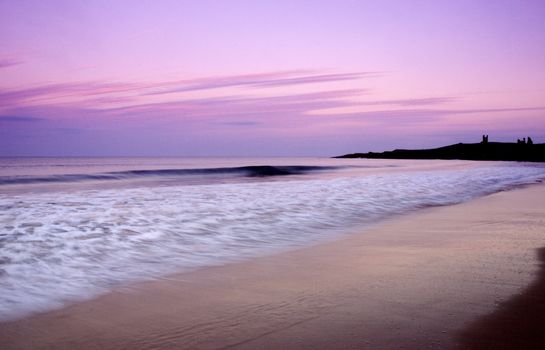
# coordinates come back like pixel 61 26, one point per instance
pixel 267 78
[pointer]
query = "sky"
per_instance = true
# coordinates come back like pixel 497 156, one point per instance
pixel 267 78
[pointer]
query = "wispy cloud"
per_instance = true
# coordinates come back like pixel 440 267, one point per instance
pixel 262 80
pixel 135 93
pixel 51 93
pixel 411 116
pixel 19 119
pixel 288 106
pixel 412 101
pixel 128 106
pixel 8 62
pixel 238 123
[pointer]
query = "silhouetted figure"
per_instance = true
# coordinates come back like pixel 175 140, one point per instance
pixel 524 140
pixel 485 139
pixel 530 142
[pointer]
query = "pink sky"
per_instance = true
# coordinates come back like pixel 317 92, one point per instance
pixel 267 78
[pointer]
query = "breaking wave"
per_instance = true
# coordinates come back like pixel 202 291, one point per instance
pixel 244 171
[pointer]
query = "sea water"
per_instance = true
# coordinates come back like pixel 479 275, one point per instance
pixel 73 228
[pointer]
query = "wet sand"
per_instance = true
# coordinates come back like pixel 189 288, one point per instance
pixel 518 323
pixel 434 279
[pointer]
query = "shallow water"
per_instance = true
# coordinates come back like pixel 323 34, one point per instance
pixel 84 233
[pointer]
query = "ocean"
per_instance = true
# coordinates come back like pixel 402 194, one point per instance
pixel 74 228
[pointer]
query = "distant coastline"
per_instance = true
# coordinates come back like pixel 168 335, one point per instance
pixel 522 151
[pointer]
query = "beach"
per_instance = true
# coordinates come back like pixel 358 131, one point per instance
pixel 430 279
pixel 299 175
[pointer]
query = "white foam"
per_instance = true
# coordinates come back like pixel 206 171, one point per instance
pixel 69 246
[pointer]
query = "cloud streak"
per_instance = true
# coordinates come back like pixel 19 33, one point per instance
pixel 51 93
pixel 250 108
pixel 288 106
pixel 139 92
pixel 412 101
pixel 19 119
pixel 8 62
pixel 414 116
pixel 264 80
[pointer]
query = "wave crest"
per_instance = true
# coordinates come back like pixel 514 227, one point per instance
pixel 244 171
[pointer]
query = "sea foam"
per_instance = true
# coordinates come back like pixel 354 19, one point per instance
pixel 65 246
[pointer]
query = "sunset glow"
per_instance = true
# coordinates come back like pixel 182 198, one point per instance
pixel 255 78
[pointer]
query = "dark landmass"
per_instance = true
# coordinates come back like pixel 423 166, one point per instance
pixel 518 323
pixel 485 150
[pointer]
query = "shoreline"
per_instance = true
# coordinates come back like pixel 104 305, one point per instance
pixel 417 280
pixel 518 323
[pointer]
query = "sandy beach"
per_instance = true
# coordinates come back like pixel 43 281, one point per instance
pixel 446 277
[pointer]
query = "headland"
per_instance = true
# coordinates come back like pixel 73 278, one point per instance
pixel 523 151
